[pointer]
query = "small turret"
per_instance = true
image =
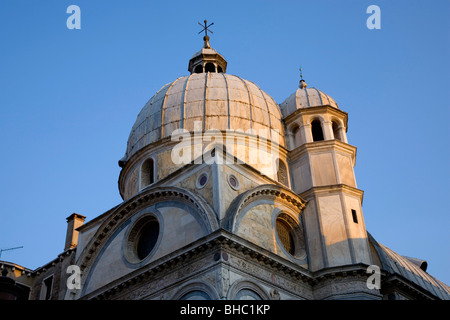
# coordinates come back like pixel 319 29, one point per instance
pixel 207 59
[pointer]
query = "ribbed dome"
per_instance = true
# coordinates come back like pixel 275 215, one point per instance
pixel 218 101
pixel 306 98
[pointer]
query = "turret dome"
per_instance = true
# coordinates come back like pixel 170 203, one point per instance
pixel 305 98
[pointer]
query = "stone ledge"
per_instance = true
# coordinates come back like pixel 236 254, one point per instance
pixel 220 240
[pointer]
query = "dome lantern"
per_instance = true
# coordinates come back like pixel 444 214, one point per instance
pixel 207 59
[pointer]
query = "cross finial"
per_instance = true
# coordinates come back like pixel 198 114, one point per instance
pixel 205 28
pixel 302 84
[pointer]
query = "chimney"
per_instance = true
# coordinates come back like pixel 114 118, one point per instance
pixel 74 221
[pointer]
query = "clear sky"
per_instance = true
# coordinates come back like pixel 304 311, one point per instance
pixel 68 100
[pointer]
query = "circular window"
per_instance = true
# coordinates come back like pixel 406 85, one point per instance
pixel 147 239
pixel 290 236
pixel 284 232
pixel 233 182
pixel 202 180
pixel 142 238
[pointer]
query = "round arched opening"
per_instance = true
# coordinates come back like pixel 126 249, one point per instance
pixel 316 129
pixel 196 295
pixel 282 173
pixel 147 173
pixel 296 135
pixel 210 67
pixel 198 69
pixel 336 131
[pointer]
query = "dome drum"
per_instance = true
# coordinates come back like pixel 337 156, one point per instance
pixel 160 159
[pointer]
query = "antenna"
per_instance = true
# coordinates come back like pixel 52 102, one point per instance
pixel 1 250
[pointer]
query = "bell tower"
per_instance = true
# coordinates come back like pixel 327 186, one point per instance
pixel 321 168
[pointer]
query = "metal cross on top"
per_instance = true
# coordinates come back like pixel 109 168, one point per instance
pixel 206 38
pixel 205 27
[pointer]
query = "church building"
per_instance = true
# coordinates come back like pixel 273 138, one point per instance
pixel 229 195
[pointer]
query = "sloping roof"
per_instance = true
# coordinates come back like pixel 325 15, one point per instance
pixel 395 263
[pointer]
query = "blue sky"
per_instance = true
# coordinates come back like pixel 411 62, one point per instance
pixel 68 100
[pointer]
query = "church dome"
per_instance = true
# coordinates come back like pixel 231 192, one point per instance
pixel 208 100
pixel 306 98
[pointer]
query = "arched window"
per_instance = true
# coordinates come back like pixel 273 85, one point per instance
pixel 296 136
pixel 336 131
pixel 219 69
pixel 147 173
pixel 198 69
pixel 196 295
pixel 210 67
pixel 316 129
pixel 247 294
pixel 282 173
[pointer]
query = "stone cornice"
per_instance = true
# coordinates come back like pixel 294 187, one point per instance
pixel 324 145
pixel 224 241
pixel 333 188
pixel 214 242
pixel 314 110
pixel 397 281
pixel 42 269
pixel 153 269
pixel 342 271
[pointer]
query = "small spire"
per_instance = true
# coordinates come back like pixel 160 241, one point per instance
pixel 206 44
pixel 302 83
